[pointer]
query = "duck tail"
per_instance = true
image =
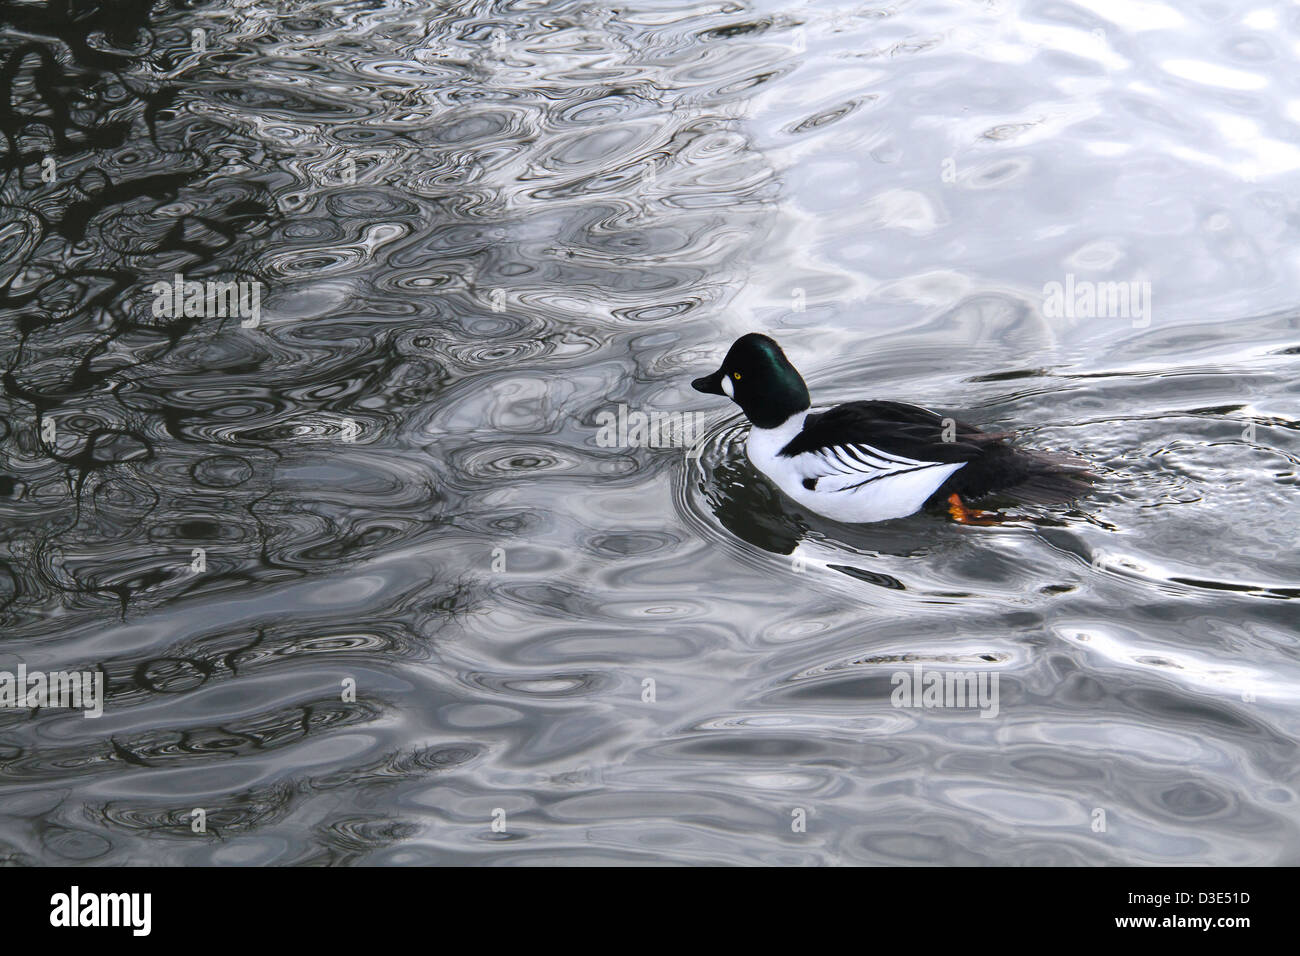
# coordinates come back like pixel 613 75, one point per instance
pixel 1053 478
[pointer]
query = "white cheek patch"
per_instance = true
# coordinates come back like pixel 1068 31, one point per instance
pixel 727 387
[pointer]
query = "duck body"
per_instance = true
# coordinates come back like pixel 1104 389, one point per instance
pixel 872 461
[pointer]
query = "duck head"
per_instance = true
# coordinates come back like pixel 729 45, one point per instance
pixel 758 377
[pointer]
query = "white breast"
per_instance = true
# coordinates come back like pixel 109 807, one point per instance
pixel 854 482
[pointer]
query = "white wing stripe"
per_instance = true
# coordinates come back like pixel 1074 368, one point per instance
pixel 898 472
pixel 886 456
pixel 835 464
pixel 864 459
pixel 849 461
pixel 847 468
pixel 870 457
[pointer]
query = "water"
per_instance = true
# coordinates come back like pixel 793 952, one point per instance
pixel 480 225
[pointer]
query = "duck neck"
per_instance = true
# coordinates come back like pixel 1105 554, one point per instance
pixel 783 431
pixel 778 403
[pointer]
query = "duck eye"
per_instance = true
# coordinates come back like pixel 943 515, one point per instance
pixel 736 376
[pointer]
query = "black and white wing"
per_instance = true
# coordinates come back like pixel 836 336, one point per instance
pixel 860 444
pixel 854 465
pixel 865 461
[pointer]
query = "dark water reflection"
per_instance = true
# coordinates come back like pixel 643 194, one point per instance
pixel 478 226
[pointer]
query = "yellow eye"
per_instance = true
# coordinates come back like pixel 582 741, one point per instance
pixel 736 376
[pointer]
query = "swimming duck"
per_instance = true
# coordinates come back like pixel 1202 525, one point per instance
pixel 872 461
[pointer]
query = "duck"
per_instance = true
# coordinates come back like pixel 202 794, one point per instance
pixel 868 461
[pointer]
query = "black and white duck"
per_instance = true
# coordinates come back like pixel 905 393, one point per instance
pixel 875 460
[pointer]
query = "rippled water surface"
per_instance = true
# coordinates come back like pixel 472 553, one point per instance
pixel 478 226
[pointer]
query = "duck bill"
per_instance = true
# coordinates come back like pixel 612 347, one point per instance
pixel 709 384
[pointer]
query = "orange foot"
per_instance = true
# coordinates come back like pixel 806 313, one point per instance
pixel 963 515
